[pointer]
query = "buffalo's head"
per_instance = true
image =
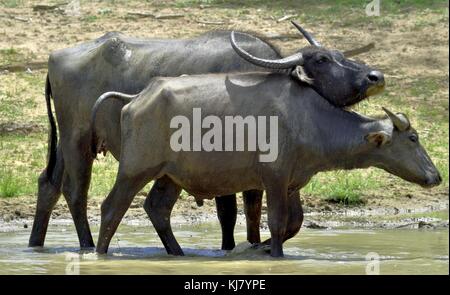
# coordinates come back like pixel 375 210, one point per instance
pixel 343 82
pixel 396 148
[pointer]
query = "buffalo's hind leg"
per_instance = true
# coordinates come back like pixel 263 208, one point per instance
pixel 227 212
pixel 77 177
pixel 116 204
pixel 49 190
pixel 277 215
pixel 158 205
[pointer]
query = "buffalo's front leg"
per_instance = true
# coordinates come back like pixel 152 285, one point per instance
pixel 49 190
pixel 158 205
pixel 295 217
pixel 115 205
pixel 277 215
pixel 227 212
pixel 252 209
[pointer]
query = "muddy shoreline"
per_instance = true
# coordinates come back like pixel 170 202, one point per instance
pixel 425 212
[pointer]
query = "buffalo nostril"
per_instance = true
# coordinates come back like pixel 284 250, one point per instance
pixel 376 77
pixel 434 180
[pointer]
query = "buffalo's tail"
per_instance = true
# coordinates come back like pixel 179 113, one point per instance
pixel 126 98
pixel 52 134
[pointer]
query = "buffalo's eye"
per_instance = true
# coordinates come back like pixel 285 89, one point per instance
pixel 322 59
pixel 413 138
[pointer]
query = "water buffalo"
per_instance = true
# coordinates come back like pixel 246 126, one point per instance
pixel 312 136
pixel 78 75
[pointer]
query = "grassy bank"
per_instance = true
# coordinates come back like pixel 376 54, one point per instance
pixel 411 40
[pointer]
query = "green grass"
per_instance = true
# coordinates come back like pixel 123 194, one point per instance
pixel 103 176
pixel 21 94
pixel 90 18
pixel 23 157
pixel 9 55
pixel 10 3
pixel 345 187
pixel 9 185
pixel 12 55
pixel 9 51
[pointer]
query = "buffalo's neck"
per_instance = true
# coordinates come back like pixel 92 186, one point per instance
pixel 339 140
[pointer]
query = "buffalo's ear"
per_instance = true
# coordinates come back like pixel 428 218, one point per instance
pixel 299 73
pixel 378 138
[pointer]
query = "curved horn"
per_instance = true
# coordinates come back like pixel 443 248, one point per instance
pixel 284 63
pixel 307 35
pixel 400 121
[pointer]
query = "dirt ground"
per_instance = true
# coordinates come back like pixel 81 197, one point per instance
pixel 429 210
pixel 411 46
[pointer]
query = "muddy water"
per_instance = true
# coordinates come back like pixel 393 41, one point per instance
pixel 137 250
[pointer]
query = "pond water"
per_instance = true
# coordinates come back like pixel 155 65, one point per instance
pixel 138 250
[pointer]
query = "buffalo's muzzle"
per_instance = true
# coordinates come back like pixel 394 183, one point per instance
pixel 375 80
pixel 432 181
pixel 375 77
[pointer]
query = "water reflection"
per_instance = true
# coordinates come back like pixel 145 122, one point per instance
pixel 137 250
